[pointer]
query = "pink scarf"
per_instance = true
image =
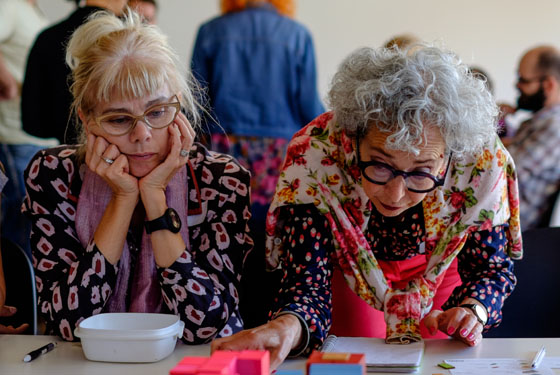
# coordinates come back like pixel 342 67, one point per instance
pixel 145 291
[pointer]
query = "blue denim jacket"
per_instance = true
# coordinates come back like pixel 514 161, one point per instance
pixel 259 68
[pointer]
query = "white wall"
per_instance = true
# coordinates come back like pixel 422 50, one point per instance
pixel 489 33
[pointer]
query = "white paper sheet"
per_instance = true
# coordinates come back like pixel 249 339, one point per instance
pixel 497 366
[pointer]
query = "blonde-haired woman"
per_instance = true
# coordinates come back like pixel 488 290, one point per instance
pixel 138 218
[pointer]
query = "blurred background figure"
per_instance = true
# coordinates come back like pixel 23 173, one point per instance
pixel 20 21
pixel 145 8
pixel 258 65
pixel 46 97
pixel 534 147
pixel 401 41
pixel 6 311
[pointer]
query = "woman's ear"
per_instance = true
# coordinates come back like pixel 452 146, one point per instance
pixel 84 121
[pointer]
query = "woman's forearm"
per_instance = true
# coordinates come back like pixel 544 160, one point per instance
pixel 111 232
pixel 168 246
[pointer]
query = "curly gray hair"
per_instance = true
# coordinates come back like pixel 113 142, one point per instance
pixel 401 91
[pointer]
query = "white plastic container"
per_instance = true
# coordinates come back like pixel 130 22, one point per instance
pixel 129 337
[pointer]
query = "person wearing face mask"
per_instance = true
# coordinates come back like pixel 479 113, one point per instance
pixel 137 217
pixel 396 214
pixel 534 147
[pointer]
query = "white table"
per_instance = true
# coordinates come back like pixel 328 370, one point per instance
pixel 68 358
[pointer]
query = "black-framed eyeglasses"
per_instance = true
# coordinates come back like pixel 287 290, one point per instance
pixel 380 173
pixel 525 81
pixel 158 116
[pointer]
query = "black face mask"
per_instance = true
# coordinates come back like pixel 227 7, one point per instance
pixel 533 103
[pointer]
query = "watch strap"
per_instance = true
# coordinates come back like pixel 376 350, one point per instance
pixel 169 220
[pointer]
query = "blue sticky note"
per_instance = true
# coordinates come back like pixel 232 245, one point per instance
pixel 289 372
pixel 336 369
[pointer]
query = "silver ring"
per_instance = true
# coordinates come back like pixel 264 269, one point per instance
pixel 184 153
pixel 107 160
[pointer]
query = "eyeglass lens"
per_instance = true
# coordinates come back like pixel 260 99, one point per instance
pixel 156 117
pixel 381 174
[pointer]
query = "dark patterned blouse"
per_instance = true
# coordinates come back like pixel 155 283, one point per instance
pixel 485 269
pixel 74 283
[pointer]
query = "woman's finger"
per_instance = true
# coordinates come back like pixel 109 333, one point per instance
pixel 186 131
pixel 107 159
pixel 431 321
pixel 89 147
pixel 7 311
pixel 467 327
pixel 98 147
pixel 13 331
pixel 454 319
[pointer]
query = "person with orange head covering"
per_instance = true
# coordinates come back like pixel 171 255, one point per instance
pixel 258 65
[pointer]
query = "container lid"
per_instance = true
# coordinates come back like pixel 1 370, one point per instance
pixel 133 326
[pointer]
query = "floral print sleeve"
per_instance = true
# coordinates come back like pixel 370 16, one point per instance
pixel 307 268
pixel 486 272
pixel 202 285
pixel 74 282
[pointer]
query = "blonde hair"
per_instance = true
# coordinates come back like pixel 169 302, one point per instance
pixel 124 58
pixel 284 7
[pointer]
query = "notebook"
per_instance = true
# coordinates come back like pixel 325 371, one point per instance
pixel 380 357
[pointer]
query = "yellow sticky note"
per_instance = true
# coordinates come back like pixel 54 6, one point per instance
pixel 336 356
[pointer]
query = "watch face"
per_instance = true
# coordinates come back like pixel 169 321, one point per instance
pixel 175 221
pixel 481 313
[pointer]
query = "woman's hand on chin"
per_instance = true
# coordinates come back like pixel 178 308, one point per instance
pixel 278 336
pixel 181 137
pixel 99 154
pixel 456 322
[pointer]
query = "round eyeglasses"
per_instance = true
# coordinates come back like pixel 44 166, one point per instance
pixel 157 116
pixel 381 173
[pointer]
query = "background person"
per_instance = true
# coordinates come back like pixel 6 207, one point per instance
pixel 395 197
pixel 258 66
pixel 20 21
pixel 534 147
pixel 6 311
pixel 146 8
pixel 138 218
pixel 46 97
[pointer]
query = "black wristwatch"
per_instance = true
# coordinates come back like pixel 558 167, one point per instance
pixel 478 311
pixel 170 220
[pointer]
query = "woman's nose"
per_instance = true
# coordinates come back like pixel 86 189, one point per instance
pixel 141 132
pixel 396 188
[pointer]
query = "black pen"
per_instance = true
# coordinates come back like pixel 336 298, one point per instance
pixel 37 352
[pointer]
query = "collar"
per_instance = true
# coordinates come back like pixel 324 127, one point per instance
pixel 195 207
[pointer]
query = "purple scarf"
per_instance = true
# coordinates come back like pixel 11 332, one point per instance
pixel 145 291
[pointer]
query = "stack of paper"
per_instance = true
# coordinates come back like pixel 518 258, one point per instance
pixel 380 357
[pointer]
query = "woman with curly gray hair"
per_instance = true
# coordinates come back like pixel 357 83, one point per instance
pixel 396 214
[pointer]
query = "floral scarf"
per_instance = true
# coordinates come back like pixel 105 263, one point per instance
pixel 321 168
